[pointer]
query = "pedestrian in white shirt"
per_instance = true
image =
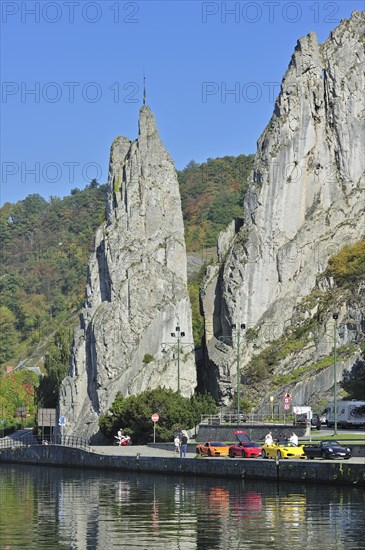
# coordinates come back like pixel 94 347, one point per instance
pixel 268 439
pixel 294 438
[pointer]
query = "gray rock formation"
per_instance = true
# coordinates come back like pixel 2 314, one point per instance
pixel 136 290
pixel 306 200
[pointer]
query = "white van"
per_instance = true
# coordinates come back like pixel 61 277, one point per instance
pixel 349 413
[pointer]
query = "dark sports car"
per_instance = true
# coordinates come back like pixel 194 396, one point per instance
pixel 244 448
pixel 328 449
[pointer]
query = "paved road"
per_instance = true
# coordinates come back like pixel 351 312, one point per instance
pixel 144 450
pixel 129 450
pixel 133 450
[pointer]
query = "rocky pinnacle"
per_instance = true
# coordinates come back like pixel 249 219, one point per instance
pixel 306 200
pixel 136 292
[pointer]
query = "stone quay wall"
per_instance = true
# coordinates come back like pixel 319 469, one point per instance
pixel 338 472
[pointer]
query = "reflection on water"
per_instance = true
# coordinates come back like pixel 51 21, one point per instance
pixel 49 508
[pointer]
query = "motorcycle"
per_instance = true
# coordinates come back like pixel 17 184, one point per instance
pixel 122 440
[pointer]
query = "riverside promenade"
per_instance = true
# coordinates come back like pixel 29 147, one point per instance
pixel 153 459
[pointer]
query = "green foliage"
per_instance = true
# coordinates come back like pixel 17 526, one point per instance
pixel 44 256
pixel 348 266
pixel 251 334
pixel 9 336
pixel 117 184
pixel 343 352
pixel 194 295
pixel 258 369
pixel 133 414
pixel 148 358
pixel 353 382
pixel 246 405
pixel 46 246
pixel 56 365
pixel 212 196
pixel 262 365
pixel 197 318
pixel 202 403
pixel 17 389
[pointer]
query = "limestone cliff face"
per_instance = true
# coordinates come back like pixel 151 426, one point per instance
pixel 136 290
pixel 305 202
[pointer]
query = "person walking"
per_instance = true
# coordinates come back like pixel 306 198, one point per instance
pixel 183 445
pixel 119 437
pixel 177 444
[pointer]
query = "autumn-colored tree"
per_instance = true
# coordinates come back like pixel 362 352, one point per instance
pixel 9 337
pixel 17 390
pixel 212 195
pixel 348 265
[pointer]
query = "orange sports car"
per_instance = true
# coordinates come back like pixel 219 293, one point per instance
pixel 212 448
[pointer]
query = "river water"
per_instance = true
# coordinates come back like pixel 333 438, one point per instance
pixel 60 508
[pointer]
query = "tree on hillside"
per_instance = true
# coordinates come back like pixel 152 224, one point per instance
pixel 212 195
pixel 9 337
pixel 17 389
pixel 353 381
pixel 45 247
pixel 56 365
pixel 348 265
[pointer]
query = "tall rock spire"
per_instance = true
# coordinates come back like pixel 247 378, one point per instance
pixel 305 202
pixel 136 289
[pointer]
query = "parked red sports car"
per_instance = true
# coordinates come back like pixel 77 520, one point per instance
pixel 245 448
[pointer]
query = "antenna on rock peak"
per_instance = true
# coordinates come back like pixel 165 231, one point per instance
pixel 144 90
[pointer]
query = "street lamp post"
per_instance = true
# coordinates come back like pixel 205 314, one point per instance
pixel 178 334
pixel 238 333
pixel 272 407
pixel 335 318
pixel 237 329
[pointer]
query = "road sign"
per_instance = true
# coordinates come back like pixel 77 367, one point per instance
pixel 62 421
pixel 46 417
pixel 155 417
pixel 287 400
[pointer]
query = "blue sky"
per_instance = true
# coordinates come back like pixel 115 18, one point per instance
pixel 72 80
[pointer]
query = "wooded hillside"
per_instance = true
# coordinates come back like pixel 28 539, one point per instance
pixel 212 195
pixel 45 247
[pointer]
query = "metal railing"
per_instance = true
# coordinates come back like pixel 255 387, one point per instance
pixel 249 418
pixel 32 440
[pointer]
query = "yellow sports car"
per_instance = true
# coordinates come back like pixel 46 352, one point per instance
pixel 285 449
pixel 212 448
